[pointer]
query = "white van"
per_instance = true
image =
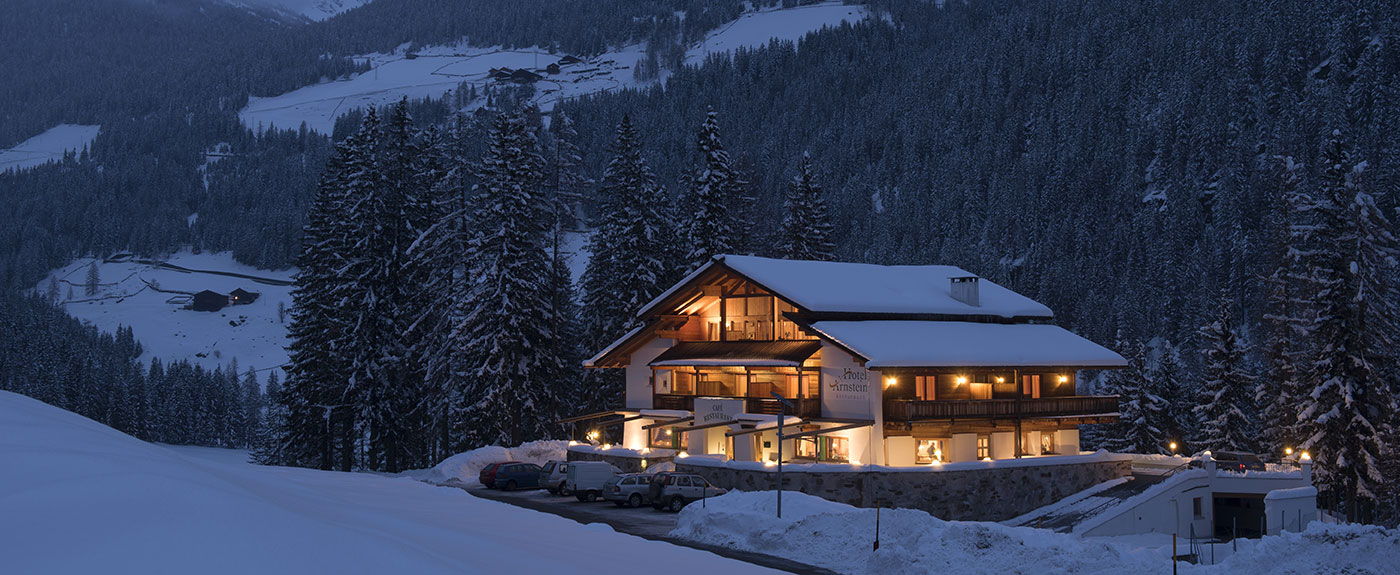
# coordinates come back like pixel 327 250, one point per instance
pixel 587 478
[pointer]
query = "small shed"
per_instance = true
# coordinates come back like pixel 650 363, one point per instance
pixel 552 68
pixel 524 76
pixel 241 296
pixel 566 60
pixel 208 300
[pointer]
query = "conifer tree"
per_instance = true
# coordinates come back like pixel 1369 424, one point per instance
pixel 716 222
pixel 93 282
pixel 1278 394
pixel 505 323
pixel 1225 411
pixel 806 229
pixel 1351 265
pixel 1142 411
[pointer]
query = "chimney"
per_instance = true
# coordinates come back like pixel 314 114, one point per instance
pixel 965 289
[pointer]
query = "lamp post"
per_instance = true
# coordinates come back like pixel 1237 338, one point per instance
pixel 783 405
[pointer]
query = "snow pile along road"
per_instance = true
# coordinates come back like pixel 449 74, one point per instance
pixel 462 469
pixel 79 497
pixel 840 537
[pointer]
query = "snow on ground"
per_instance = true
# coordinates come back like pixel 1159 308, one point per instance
pixel 79 497
pixel 432 72
pixel 437 70
pixel 128 296
pixel 840 537
pixel 462 469
pixel 758 28
pixel 315 10
pixel 48 146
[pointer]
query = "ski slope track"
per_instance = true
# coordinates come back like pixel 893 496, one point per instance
pixel 437 70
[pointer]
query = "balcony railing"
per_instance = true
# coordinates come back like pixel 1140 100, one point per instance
pixel 910 409
pixel 805 406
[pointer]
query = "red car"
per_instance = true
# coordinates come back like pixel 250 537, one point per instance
pixel 487 477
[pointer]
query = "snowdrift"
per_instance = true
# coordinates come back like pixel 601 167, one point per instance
pixel 80 497
pixel 462 469
pixel 840 537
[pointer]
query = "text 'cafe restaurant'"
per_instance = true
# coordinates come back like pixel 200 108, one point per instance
pixel 883 365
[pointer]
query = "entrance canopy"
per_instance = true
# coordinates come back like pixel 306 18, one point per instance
pixel 738 353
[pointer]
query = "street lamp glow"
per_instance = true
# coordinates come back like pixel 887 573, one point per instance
pixel 1172 446
pixel 1288 451
pixel 1305 456
pixel 891 381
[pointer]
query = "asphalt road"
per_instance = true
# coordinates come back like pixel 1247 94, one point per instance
pixel 643 522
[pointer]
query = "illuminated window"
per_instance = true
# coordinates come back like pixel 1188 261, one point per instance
pixel 1047 442
pixel 666 438
pixel 925 386
pixel 984 446
pixel 824 448
pixel 930 450
pixel 1030 386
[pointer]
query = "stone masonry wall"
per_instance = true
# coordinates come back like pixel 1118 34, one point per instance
pixel 991 494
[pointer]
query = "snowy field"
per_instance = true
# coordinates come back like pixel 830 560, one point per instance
pixel 758 28
pixel 48 146
pixel 79 497
pixel 128 296
pixel 315 10
pixel 839 537
pixel 437 70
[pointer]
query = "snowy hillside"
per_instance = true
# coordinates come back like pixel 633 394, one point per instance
pixel 48 146
pixel 79 497
pixel 151 299
pixel 437 70
pixel 758 28
pixel 315 10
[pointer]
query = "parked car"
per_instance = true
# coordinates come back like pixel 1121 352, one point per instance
pixel 587 478
pixel 672 491
pixel 487 476
pixel 552 477
pixel 512 476
pixel 631 490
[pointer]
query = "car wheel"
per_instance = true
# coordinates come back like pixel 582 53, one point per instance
pixel 565 491
pixel 635 500
pixel 677 502
pixel 591 496
pixel 510 485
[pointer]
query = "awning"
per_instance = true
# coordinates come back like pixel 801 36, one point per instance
pixel 670 423
pixel 738 353
pixel 597 415
pixel 827 430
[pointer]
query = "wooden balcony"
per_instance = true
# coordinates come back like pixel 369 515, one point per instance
pixel 910 409
pixel 806 407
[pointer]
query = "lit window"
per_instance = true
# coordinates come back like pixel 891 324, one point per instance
pixel 984 446
pixel 930 450
pixel 1047 442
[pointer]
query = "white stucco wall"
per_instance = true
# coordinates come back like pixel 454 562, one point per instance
pixel 639 390
pixel 849 391
pixel 1003 445
pixel 899 451
pixel 962 447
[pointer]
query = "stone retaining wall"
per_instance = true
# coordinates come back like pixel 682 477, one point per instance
pixel 990 494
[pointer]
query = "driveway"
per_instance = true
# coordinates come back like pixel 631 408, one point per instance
pixel 643 522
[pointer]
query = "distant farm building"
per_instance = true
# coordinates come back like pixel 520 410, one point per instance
pixel 552 68
pixel 241 296
pixel 525 76
pixel 208 300
pixel 566 60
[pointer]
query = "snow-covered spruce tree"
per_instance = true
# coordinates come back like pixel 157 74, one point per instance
pixel 93 282
pixel 632 251
pixel 1142 411
pixel 806 229
pixel 1224 411
pixel 506 355
pixel 566 170
pixel 716 221
pixel 1351 264
pixel 319 430
pixel 1170 380
pixel 1277 395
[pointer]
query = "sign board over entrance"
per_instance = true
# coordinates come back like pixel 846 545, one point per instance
pixel 716 410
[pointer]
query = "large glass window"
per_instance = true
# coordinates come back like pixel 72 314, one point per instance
pixel 1030 386
pixel 666 438
pixel 1047 442
pixel 930 450
pixel 824 448
pixel 748 318
pixel 721 383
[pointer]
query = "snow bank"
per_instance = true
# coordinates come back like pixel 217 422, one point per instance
pixel 79 497
pixel 839 537
pixel 48 146
pixel 464 467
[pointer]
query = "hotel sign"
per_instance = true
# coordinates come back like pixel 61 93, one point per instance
pixel 849 383
pixel 716 410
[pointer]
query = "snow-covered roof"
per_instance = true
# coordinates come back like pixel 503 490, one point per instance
pixel 907 343
pixel 844 287
pixel 590 362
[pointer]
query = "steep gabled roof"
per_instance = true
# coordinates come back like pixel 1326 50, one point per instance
pixel 899 343
pixel 852 288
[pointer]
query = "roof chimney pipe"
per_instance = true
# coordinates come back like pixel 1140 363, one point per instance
pixel 966 289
